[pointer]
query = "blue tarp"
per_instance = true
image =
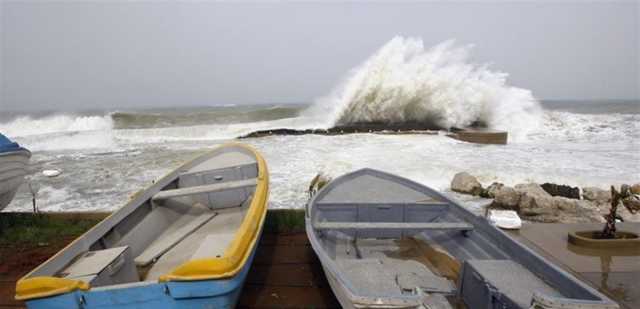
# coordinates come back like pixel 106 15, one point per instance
pixel 7 145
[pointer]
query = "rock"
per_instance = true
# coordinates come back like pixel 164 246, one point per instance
pixel 635 189
pixel 465 183
pixel 532 189
pixel 628 216
pixel 505 197
pixel 536 205
pixel 596 195
pixel 589 211
pixel 566 205
pixel 534 201
pixel 491 190
pixel 561 190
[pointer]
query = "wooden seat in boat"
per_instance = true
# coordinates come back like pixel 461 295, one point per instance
pixel 162 195
pixel 170 238
pixel 102 267
pixel 457 226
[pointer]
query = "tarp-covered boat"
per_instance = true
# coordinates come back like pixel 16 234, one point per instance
pixel 14 161
pixel 187 241
pixel 388 242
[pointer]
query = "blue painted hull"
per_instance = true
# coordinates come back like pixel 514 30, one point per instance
pixel 222 293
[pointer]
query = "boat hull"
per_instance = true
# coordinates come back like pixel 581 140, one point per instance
pixel 13 168
pixel 372 232
pixel 223 293
pixel 177 244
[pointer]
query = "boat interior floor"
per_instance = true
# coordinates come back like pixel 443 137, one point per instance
pixel 210 237
pixel 409 266
pixel 388 267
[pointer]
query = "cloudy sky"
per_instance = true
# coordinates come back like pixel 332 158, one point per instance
pixel 103 54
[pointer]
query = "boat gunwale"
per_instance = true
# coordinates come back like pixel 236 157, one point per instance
pixel 20 151
pixel 135 200
pixel 536 263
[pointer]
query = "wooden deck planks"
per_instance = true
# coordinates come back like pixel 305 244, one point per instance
pixel 286 274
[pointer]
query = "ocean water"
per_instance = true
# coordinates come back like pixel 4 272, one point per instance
pixel 107 155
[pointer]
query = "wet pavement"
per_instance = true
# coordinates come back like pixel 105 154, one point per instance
pixel 615 272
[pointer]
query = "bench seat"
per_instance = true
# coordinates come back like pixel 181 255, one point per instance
pixel 457 226
pixel 503 281
pixel 166 194
pixel 102 267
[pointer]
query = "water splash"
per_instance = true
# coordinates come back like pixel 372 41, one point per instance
pixel 404 82
pixel 27 125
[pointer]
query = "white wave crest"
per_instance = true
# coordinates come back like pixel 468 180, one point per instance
pixel 567 126
pixel 26 125
pixel 404 82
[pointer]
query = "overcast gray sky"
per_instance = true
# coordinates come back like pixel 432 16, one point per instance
pixel 69 55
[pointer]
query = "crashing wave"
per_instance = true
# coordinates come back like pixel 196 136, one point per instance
pixel 27 125
pixel 404 82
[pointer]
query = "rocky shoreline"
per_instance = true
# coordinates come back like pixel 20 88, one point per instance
pixel 549 203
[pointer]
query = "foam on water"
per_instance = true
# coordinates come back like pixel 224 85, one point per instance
pixel 26 125
pixel 567 126
pixel 573 149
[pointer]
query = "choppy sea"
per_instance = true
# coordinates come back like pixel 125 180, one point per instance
pixel 106 155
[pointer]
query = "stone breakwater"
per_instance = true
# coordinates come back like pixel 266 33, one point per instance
pixel 409 128
pixel 546 202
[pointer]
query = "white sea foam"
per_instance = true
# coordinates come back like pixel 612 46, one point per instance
pixel 406 82
pixel 83 141
pixel 26 125
pixel 567 126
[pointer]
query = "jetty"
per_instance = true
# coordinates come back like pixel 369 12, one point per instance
pixel 478 135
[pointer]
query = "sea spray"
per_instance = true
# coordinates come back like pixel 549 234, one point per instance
pixel 403 82
pixel 27 125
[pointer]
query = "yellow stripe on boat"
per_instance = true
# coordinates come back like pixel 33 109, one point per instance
pixel 246 238
pixel 38 287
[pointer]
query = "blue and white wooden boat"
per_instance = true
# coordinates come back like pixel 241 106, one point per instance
pixel 14 162
pixel 187 241
pixel 387 242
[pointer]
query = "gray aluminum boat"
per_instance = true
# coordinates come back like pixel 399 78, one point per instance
pixel 388 242
pixel 14 162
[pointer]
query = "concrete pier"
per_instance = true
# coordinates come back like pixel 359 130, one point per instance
pixel 480 136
